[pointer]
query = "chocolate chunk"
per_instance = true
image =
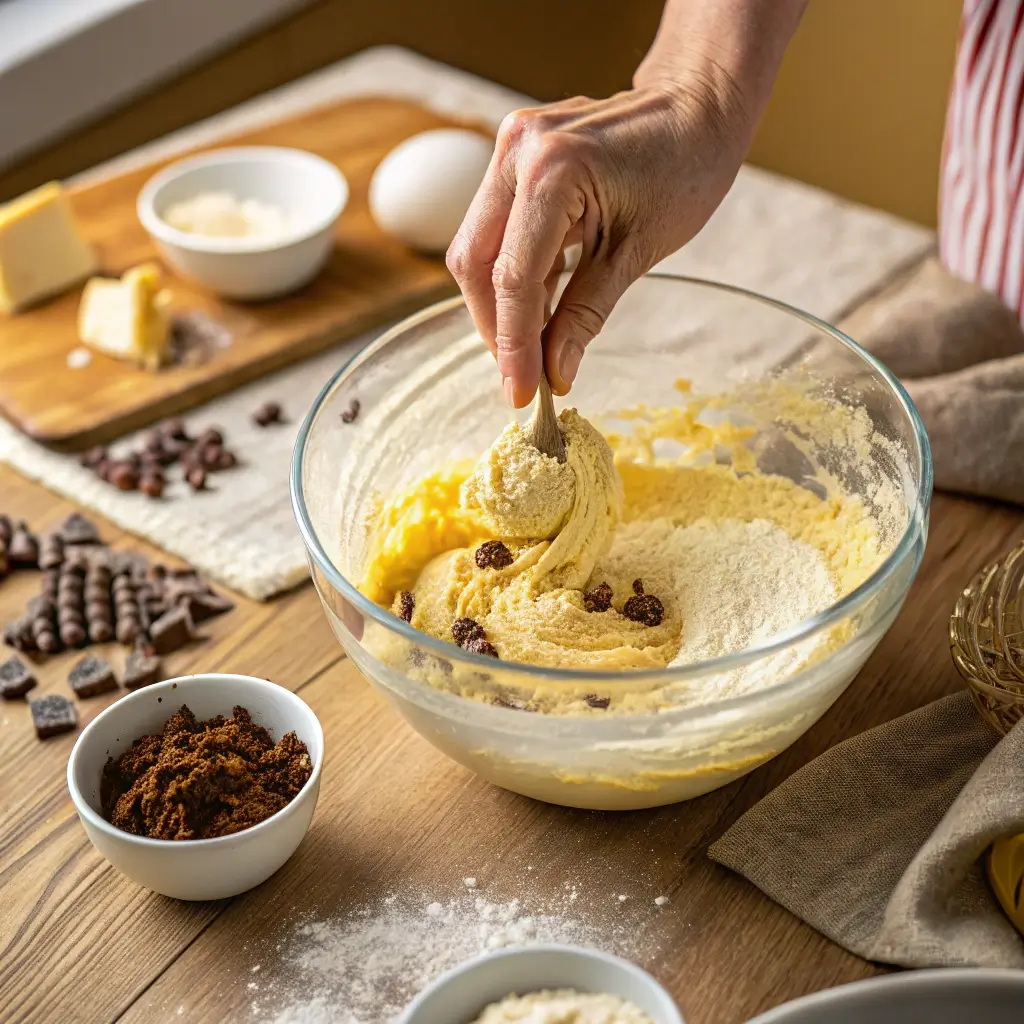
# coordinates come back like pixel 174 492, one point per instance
pixel 91 677
pixel 92 457
pixel 599 599
pixel 597 702
pixel 205 606
pixel 51 551
pixel 6 530
pixel 142 668
pixel 643 608
pixel 128 630
pixel 172 630
pixel 96 592
pixel 98 610
pixel 76 561
pixel 152 484
pixel 211 435
pixel 350 414
pixel 72 634
pixel 196 478
pixel 18 634
pixel 463 630
pixel 267 414
pixel 23 548
pixel 52 715
pixel 101 631
pixel 76 529
pixel 492 554
pixel 124 476
pixel 16 678
pixel 174 429
pixel 51 584
pixel 480 645
pixel 65 615
pixel 406 605
pixel 226 460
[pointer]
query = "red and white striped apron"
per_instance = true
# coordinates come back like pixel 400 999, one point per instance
pixel 981 190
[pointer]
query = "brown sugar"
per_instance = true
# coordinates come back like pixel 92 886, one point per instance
pixel 199 780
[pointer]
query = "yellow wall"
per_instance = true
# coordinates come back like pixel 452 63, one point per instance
pixel 858 108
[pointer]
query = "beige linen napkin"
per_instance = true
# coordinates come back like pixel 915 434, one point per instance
pixel 960 352
pixel 877 843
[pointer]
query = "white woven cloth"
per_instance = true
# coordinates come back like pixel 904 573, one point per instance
pixel 772 235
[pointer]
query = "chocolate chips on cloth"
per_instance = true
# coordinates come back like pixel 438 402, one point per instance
pixel 200 780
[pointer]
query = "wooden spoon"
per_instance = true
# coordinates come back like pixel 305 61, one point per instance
pixel 542 430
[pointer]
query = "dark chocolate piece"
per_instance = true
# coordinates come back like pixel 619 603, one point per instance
pixel 142 668
pixel 597 702
pixel 76 529
pixel 480 645
pixel 16 678
pixel 352 412
pixel 406 605
pixel 267 414
pixel 91 677
pixel 52 715
pixel 172 630
pixel 599 599
pixel 51 551
pixel 205 606
pixel 463 630
pixel 643 608
pixel 23 548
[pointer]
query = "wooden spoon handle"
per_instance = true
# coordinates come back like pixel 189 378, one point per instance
pixel 542 429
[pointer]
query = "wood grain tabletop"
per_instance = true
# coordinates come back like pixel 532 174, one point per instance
pixel 79 942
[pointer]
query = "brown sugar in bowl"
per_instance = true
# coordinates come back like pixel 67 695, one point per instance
pixel 197 869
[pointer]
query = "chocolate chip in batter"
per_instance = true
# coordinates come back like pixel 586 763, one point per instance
pixel 406 604
pixel 350 414
pixel 597 702
pixel 599 599
pixel 643 608
pixel 464 630
pixel 492 554
pixel 480 645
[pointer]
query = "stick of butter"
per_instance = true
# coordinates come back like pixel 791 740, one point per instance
pixel 127 318
pixel 41 252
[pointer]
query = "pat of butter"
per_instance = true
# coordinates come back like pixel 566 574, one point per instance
pixel 41 252
pixel 222 215
pixel 127 318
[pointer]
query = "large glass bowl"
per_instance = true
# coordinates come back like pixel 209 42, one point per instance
pixel 427 391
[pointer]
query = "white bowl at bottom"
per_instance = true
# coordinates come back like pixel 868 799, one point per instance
pixel 197 869
pixel 960 995
pixel 460 995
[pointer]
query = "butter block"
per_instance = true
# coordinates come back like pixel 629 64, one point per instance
pixel 41 252
pixel 127 318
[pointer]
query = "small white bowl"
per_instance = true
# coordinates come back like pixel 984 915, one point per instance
pixel 312 190
pixel 460 995
pixel 961 995
pixel 197 869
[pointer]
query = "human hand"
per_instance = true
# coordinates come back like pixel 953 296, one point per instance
pixel 632 178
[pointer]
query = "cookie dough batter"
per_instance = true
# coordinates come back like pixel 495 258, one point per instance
pixel 732 558
pixel 563 1006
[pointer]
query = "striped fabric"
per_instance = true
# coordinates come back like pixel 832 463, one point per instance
pixel 981 192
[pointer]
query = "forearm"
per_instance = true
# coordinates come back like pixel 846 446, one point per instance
pixel 732 48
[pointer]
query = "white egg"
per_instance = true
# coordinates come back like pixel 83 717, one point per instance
pixel 422 189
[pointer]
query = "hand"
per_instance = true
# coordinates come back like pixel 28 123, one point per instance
pixel 632 178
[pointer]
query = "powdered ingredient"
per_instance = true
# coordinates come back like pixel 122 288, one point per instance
pixel 563 1006
pixel 200 780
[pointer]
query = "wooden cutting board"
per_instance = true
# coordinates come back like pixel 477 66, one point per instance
pixel 370 279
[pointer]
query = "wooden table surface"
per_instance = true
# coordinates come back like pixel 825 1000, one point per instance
pixel 81 943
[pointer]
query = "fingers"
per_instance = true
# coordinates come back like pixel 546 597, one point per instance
pixel 542 215
pixel 471 256
pixel 588 299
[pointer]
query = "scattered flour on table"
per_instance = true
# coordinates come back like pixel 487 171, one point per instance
pixel 365 967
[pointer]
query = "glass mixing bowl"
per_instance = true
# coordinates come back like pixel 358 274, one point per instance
pixel 427 392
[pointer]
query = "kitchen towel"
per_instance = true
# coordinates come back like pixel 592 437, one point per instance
pixel 960 353
pixel 878 843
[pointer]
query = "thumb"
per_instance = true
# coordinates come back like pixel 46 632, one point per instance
pixel 583 308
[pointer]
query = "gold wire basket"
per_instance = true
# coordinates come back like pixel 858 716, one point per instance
pixel 986 637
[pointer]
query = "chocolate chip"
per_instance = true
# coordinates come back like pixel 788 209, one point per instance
pixel 480 645
pixel 16 678
pixel 23 548
pixel 209 456
pixel 267 414
pixel 127 630
pixel 643 608
pixel 492 554
pixel 152 485
pixel 142 668
pixel 597 702
pixel 211 435
pixel 6 530
pixel 72 634
pixel 406 605
pixel 172 631
pixel 52 715
pixel 196 478
pixel 226 460
pixel 76 529
pixel 92 457
pixel 18 634
pixel 350 414
pixel 91 677
pixel 463 630
pixel 51 551
pixel 599 599
pixel 174 428
pixel 101 631
pixel 124 476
